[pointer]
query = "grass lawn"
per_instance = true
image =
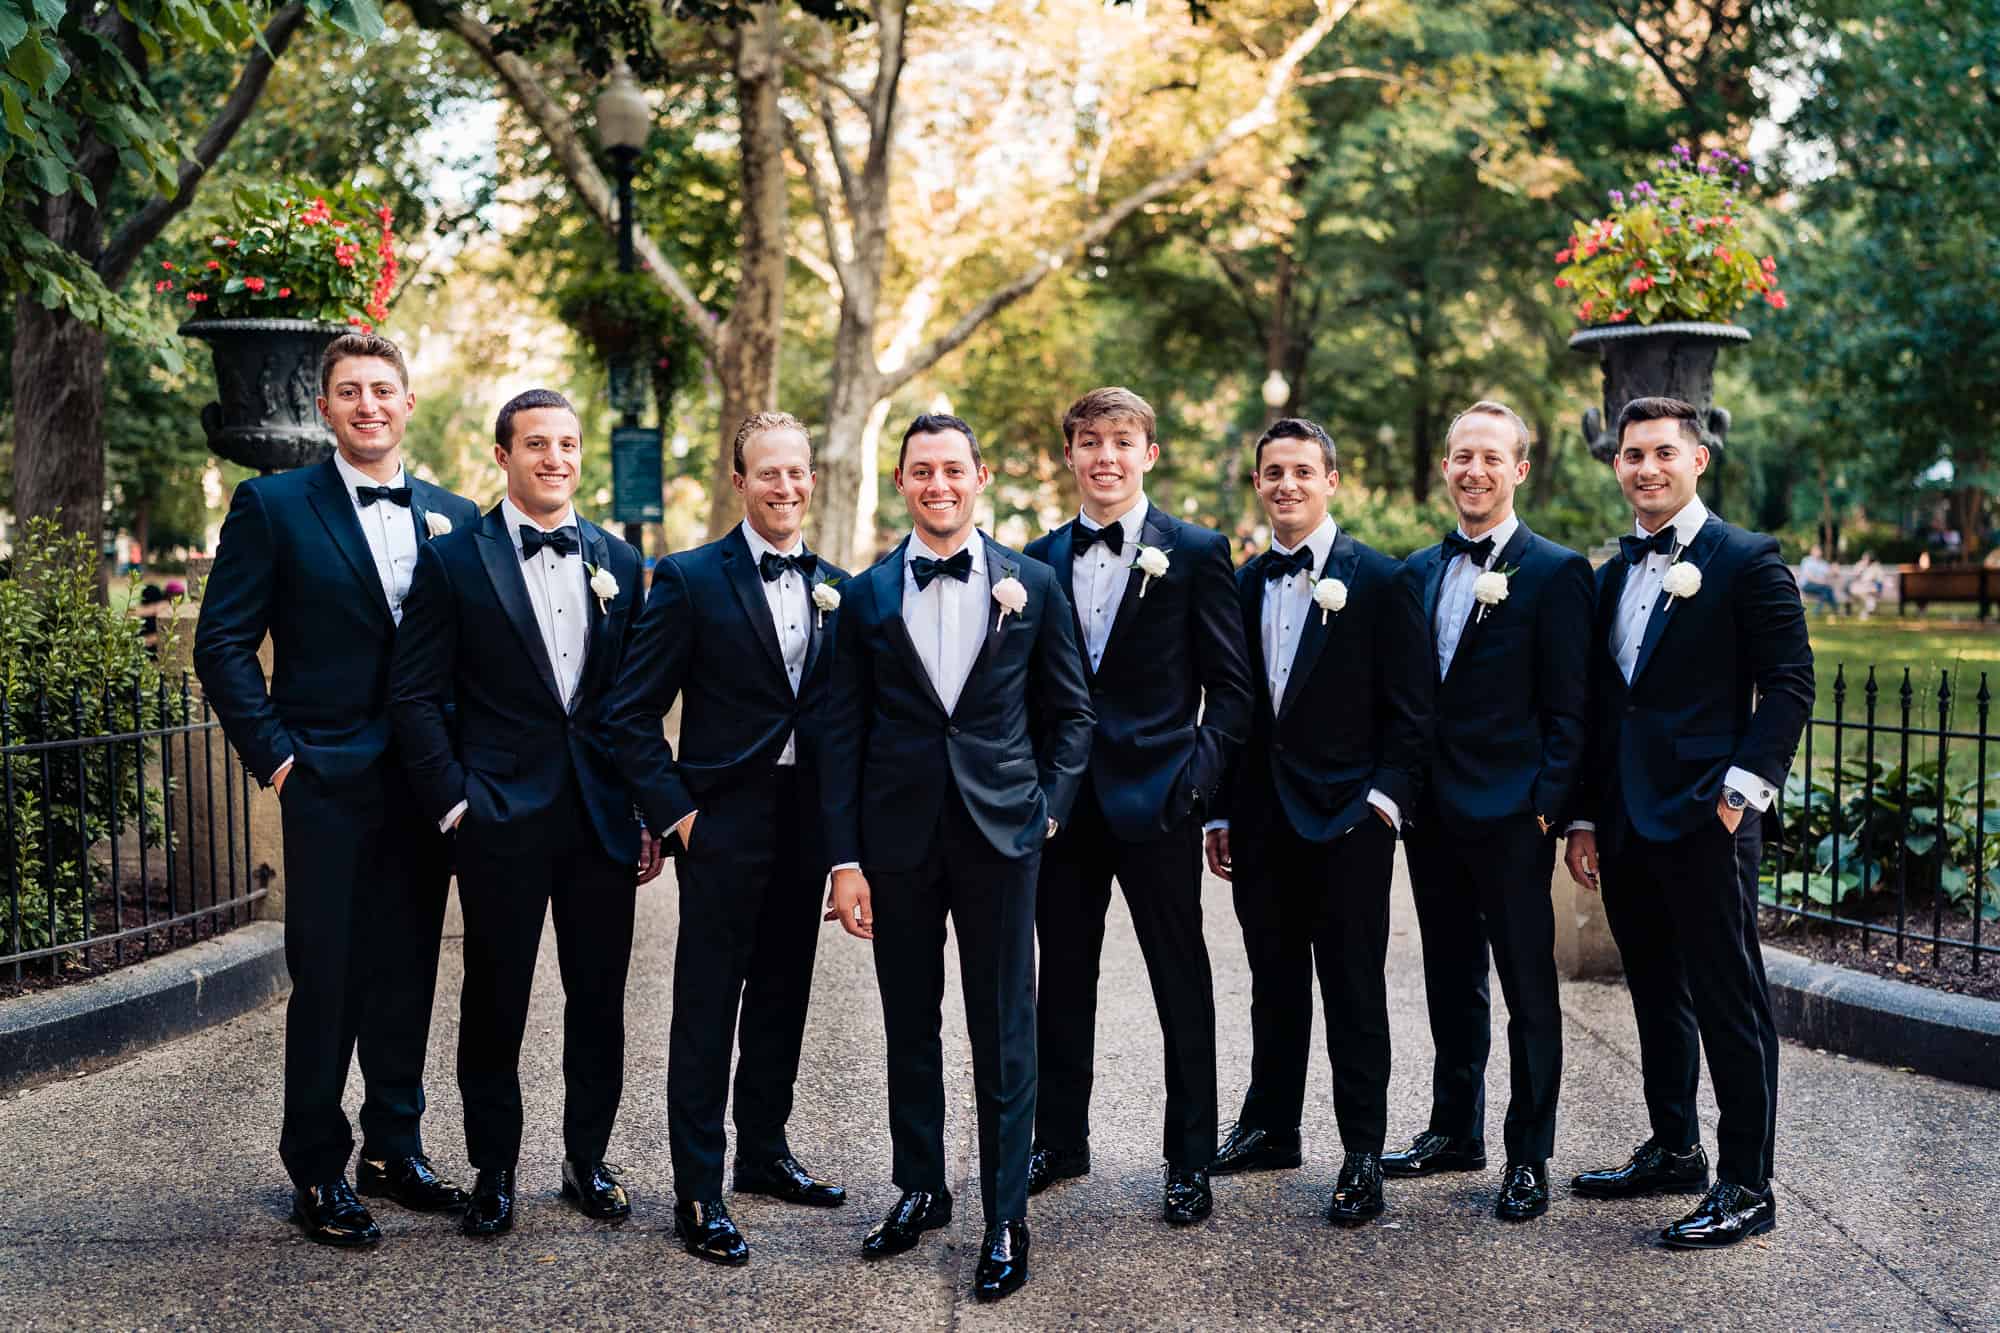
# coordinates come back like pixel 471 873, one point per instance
pixel 1928 646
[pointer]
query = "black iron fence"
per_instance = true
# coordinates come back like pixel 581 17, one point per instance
pixel 1888 830
pixel 125 831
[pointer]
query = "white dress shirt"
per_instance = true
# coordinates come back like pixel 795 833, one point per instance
pixel 1628 632
pixel 947 621
pixel 1454 604
pixel 1287 603
pixel 1097 579
pixel 391 532
pixel 786 596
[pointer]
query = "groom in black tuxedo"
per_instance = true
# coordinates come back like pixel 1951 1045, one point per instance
pixel 1339 737
pixel 520 621
pixel 957 725
pixel 1701 681
pixel 740 631
pixel 321 559
pixel 1164 655
pixel 1509 615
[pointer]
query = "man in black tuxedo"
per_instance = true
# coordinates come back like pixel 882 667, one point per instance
pixel 1339 736
pixel 740 631
pixel 1509 615
pixel 1164 655
pixel 957 724
pixel 519 621
pixel 1701 681
pixel 321 559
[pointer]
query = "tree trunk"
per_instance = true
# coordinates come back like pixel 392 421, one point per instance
pixel 847 471
pixel 58 420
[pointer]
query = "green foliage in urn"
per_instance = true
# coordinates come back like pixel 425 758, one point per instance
pixel 289 250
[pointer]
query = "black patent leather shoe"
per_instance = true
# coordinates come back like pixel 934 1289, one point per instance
pixel 1727 1214
pixel 915 1213
pixel 330 1214
pixel 1357 1195
pixel 706 1232
pixel 411 1182
pixel 1248 1148
pixel 490 1212
pixel 1524 1192
pixel 1433 1154
pixel 1003 1261
pixel 785 1179
pixel 1188 1197
pixel 1651 1170
pixel 1048 1165
pixel 595 1191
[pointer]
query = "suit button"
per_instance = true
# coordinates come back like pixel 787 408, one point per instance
pixel 1279 747
pixel 1631 708
pixel 952 730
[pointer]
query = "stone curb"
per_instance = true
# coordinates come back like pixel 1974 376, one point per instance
pixel 1834 1008
pixel 75 1028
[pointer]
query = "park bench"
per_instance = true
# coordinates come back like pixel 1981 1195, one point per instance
pixel 1953 583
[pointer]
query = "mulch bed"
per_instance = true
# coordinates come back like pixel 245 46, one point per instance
pixel 1922 963
pixel 94 960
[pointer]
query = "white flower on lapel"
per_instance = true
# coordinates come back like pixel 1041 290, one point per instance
pixel 1329 595
pixel 826 598
pixel 438 524
pixel 602 585
pixel 1151 562
pixel 1012 596
pixel 1682 580
pixel 1489 590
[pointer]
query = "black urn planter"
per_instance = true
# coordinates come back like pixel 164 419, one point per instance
pixel 1675 360
pixel 267 381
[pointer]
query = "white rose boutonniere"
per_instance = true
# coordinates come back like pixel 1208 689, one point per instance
pixel 1682 580
pixel 603 586
pixel 1151 562
pixel 438 524
pixel 1329 595
pixel 1489 590
pixel 1012 596
pixel 825 598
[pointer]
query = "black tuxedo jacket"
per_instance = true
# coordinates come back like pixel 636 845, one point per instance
pixel 1660 746
pixel 1172 692
pixel 1014 746
pixel 706 636
pixel 1511 711
pixel 1357 713
pixel 469 636
pixel 292 562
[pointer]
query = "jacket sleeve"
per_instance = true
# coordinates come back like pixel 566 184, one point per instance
pixel 423 677
pixel 236 608
pixel 1562 683
pixel 658 651
pixel 1406 691
pixel 1059 696
pixel 842 731
pixel 1222 661
pixel 1771 627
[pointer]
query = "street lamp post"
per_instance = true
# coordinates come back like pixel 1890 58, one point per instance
pixel 623 122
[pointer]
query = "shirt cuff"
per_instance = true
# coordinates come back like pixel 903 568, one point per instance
pixel 1755 789
pixel 451 817
pixel 1214 824
pixel 1386 806
pixel 1579 826
pixel 845 865
pixel 279 771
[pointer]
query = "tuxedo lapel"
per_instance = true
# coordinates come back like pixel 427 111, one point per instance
pixel 1250 593
pixel 888 576
pixel 1340 564
pixel 1000 564
pixel 1062 559
pixel 815 632
pixel 503 567
pixel 748 585
pixel 1433 589
pixel 597 552
pixel 1510 556
pixel 1153 532
pixel 1697 554
pixel 335 506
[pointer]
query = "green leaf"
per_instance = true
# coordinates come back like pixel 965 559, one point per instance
pixel 33 62
pixel 363 18
pixel 12 27
pixel 16 115
pixel 50 12
pixel 49 173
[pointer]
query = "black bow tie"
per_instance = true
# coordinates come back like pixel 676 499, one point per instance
pixel 1636 548
pixel 924 569
pixel 1111 534
pixel 1278 565
pixel 1457 544
pixel 562 541
pixel 773 566
pixel 368 495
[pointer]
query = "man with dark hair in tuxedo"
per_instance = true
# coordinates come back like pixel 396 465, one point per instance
pixel 1509 614
pixel 957 725
pixel 1338 742
pixel 740 630
pixel 518 623
pixel 1162 642
pixel 320 559
pixel 1701 681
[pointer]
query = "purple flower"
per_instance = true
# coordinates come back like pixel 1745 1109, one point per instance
pixel 1681 152
pixel 1743 169
pixel 1707 169
pixel 1676 203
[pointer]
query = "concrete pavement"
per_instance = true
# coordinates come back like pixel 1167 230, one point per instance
pixel 150 1194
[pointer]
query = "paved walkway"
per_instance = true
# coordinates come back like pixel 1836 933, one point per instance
pixel 150 1195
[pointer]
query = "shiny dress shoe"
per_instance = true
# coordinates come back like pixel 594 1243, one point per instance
pixel 1251 1149
pixel 785 1179
pixel 1524 1192
pixel 331 1215
pixel 1003 1261
pixel 707 1232
pixel 595 1191
pixel 915 1213
pixel 1434 1154
pixel 1048 1165
pixel 1188 1197
pixel 1651 1170
pixel 491 1209
pixel 1357 1195
pixel 1729 1213
pixel 410 1182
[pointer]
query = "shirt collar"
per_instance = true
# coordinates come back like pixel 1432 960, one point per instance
pixel 352 476
pixel 1320 539
pixel 1131 520
pixel 1685 524
pixel 975 544
pixel 1501 533
pixel 758 546
pixel 513 519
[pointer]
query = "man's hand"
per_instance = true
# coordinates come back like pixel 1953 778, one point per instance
pixel 685 828
pixel 1580 855
pixel 1216 844
pixel 650 860
pixel 850 903
pixel 1383 815
pixel 1730 818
